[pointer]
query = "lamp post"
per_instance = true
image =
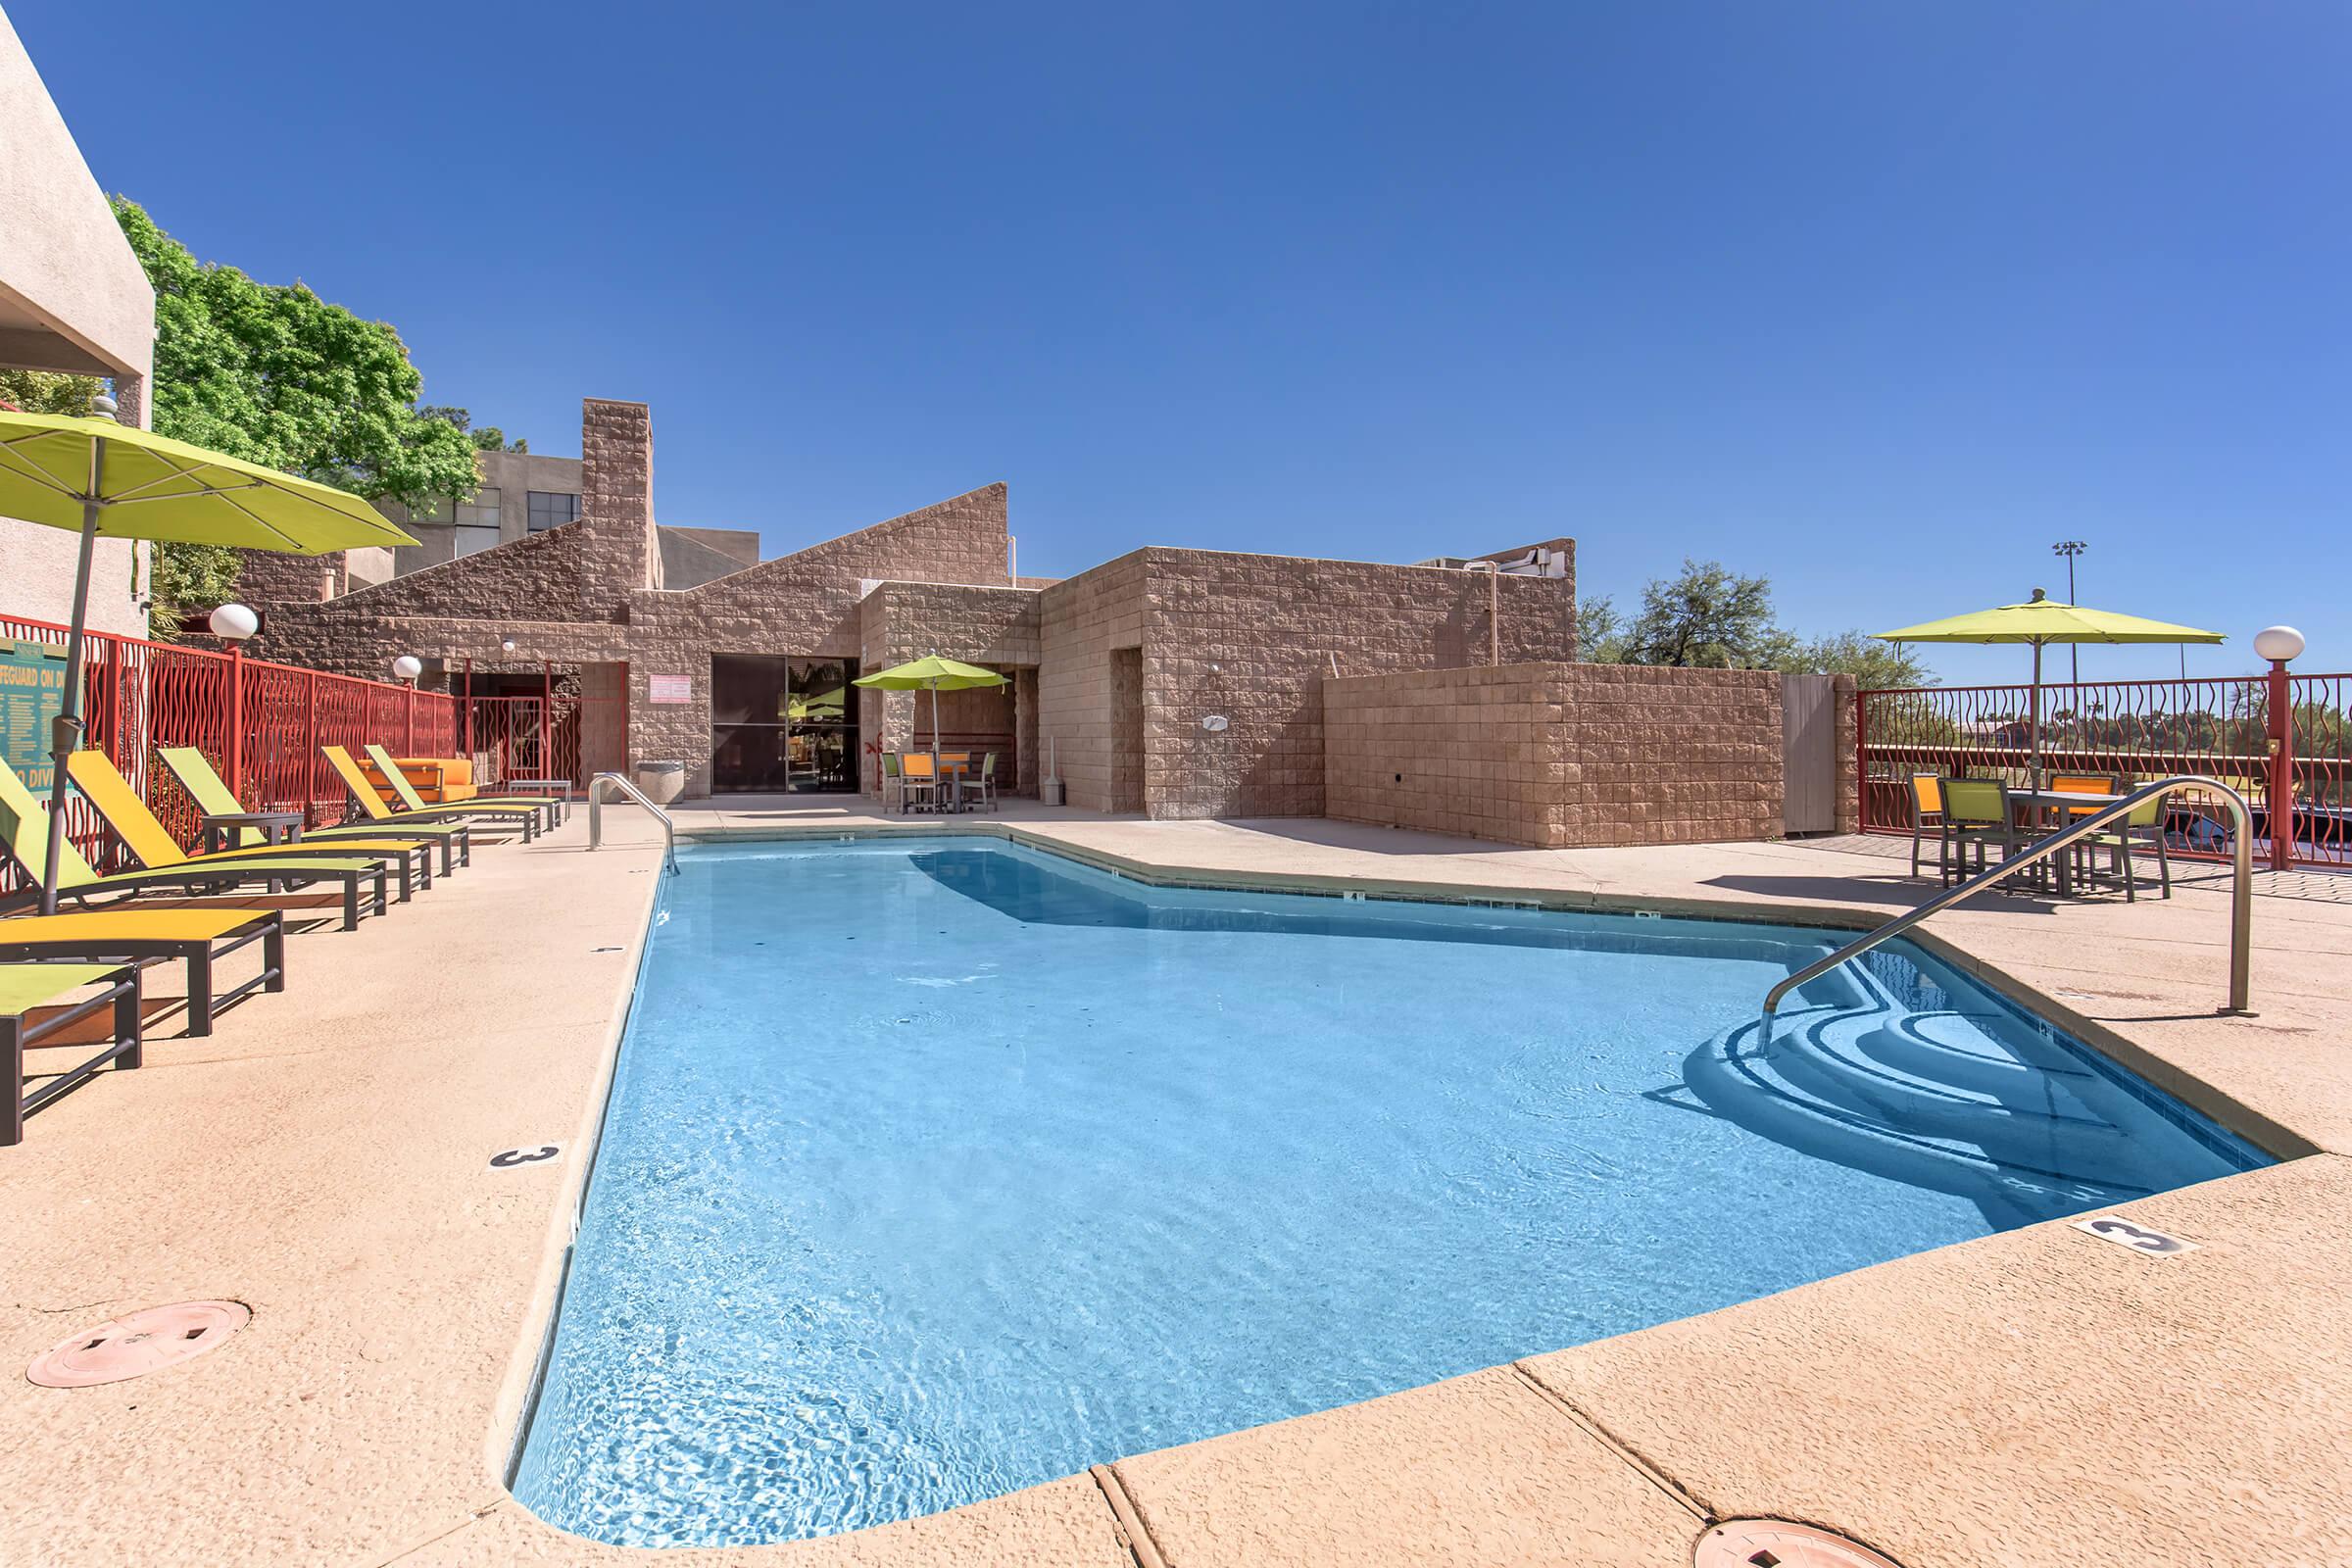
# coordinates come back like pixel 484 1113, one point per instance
pixel 405 669
pixel 2279 645
pixel 2070 548
pixel 233 623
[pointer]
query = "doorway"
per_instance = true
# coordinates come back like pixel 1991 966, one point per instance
pixel 782 725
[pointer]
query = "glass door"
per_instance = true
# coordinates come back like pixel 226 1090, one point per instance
pixel 780 724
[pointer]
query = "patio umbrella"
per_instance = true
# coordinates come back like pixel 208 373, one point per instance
pixel 2041 620
pixel 104 479
pixel 935 674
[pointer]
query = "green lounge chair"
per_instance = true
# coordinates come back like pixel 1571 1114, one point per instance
pixel 24 837
pixel 26 986
pixel 548 811
pixel 197 937
pixel 374 810
pixel 213 798
pixel 152 845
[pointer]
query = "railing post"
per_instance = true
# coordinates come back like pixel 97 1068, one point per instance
pixel 1861 759
pixel 2282 768
pixel 236 721
pixel 470 706
pixel 546 704
pixel 310 752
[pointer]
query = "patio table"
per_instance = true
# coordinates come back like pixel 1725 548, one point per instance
pixel 2037 803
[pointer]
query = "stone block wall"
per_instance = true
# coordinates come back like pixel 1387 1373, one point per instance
pixel 1478 752
pixel 1251 639
pixel 1081 622
pixel 1560 754
pixel 1846 695
pixel 806 604
pixel 992 627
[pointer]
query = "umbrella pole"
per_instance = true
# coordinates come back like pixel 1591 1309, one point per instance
pixel 65 735
pixel 2034 768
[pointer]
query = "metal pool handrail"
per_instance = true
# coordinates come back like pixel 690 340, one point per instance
pixel 596 816
pixel 2241 889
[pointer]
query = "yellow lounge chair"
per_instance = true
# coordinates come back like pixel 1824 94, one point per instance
pixel 26 986
pixel 151 844
pixel 549 809
pixel 194 770
pixel 24 838
pixel 126 936
pixel 372 808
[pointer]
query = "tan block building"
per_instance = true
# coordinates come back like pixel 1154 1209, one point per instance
pixel 1177 683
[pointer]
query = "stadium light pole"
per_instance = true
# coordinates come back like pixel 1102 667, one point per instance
pixel 2070 548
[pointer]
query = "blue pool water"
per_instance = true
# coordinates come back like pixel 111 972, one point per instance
pixel 938 1168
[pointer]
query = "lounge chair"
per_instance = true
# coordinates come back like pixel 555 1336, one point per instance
pixel 151 844
pixel 194 770
pixel 24 837
pixel 374 810
pixel 26 986
pixel 198 937
pixel 549 809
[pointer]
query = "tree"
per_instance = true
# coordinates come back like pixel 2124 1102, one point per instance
pixel 1599 630
pixel 1709 616
pixel 275 375
pixel 489 438
pixel 1876 665
pixel 49 391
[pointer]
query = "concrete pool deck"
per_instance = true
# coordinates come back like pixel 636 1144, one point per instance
pixel 2037 1396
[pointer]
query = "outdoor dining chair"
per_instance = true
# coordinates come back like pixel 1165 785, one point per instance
pixel 985 781
pixel 1976 811
pixel 917 776
pixel 1927 814
pixel 2141 828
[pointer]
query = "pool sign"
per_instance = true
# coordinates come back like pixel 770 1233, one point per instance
pixel 32 693
pixel 2121 1231
pixel 669 688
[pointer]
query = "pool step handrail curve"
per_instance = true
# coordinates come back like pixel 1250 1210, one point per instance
pixel 596 816
pixel 2241 886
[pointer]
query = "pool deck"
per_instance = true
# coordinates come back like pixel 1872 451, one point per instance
pixel 2037 1396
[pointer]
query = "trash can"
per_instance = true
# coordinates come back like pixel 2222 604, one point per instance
pixel 662 782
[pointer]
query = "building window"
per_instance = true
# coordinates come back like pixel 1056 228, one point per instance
pixel 551 509
pixel 482 512
pixel 472 537
pixel 436 509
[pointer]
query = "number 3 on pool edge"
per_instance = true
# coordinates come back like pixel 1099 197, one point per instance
pixel 2122 1232
pixel 509 1158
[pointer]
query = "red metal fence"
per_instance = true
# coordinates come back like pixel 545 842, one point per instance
pixel 2275 739
pixel 260 725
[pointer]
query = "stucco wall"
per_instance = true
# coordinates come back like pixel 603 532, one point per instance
pixel 1559 755
pixel 73 297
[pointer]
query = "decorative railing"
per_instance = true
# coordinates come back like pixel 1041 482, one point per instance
pixel 260 725
pixel 2223 729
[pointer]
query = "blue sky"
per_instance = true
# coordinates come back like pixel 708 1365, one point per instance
pixel 1878 299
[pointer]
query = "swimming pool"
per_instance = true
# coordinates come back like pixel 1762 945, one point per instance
pixel 936 1168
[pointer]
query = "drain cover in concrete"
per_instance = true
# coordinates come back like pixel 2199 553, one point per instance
pixel 1777 1544
pixel 136 1345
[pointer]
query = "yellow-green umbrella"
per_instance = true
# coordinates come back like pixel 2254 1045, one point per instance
pixel 104 479
pixel 2042 620
pixel 935 674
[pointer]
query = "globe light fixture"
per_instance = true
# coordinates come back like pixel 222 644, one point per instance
pixel 507 646
pixel 2279 644
pixel 408 667
pixel 234 622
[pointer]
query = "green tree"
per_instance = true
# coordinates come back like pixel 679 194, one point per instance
pixel 1713 617
pixel 1707 617
pixel 489 438
pixel 49 391
pixel 275 375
